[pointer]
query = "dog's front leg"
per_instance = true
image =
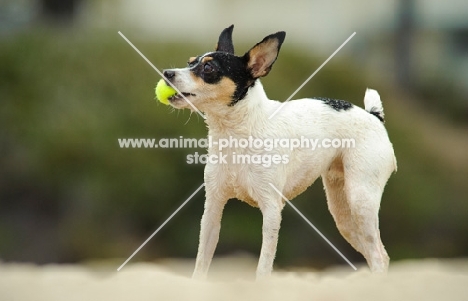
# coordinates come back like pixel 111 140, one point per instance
pixel 209 232
pixel 271 211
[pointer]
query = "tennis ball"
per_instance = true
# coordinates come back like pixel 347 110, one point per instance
pixel 163 92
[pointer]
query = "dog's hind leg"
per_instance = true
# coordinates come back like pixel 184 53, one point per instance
pixel 333 182
pixel 354 203
pixel 364 204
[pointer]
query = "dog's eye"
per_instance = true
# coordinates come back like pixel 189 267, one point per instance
pixel 208 68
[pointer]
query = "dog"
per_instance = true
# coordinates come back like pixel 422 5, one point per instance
pixel 228 90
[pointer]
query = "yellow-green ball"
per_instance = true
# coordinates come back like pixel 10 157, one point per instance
pixel 163 92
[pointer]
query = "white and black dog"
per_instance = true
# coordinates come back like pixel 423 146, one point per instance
pixel 227 89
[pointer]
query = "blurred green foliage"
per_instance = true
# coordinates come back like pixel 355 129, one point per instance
pixel 68 192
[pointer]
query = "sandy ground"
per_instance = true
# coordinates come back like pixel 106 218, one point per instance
pixel 169 280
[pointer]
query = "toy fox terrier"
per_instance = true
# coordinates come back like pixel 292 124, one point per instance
pixel 228 90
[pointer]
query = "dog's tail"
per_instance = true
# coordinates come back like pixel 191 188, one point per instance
pixel 373 104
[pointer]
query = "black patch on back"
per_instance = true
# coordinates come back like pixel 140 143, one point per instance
pixel 336 104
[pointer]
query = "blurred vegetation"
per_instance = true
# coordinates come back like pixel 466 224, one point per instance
pixel 68 193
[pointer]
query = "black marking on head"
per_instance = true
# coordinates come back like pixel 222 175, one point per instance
pixel 216 67
pixel 336 104
pixel 213 67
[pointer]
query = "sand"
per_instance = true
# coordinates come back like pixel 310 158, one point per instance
pixel 232 279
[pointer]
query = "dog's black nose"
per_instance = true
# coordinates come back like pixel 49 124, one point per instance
pixel 169 74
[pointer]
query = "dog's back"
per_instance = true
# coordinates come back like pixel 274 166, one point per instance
pixel 330 131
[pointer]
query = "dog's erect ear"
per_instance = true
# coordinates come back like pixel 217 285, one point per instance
pixel 225 41
pixel 262 56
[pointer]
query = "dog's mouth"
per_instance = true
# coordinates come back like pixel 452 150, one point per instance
pixel 180 96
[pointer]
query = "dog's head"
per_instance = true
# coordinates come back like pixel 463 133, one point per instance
pixel 221 78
